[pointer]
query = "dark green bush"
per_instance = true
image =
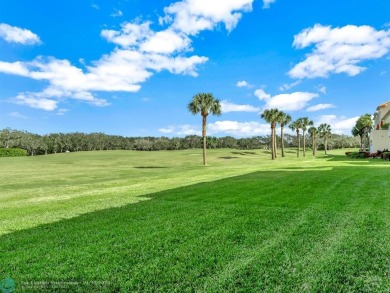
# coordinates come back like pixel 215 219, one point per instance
pixel 356 155
pixel 12 152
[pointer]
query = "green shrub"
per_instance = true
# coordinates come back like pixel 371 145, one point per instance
pixel 356 155
pixel 12 152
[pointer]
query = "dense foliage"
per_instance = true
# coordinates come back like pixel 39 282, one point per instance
pixel 12 152
pixel 53 143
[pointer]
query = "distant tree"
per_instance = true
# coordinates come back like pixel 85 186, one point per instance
pixel 296 126
pixel 271 116
pixel 362 128
pixel 283 120
pixel 205 104
pixel 304 123
pixel 313 134
pixel 325 131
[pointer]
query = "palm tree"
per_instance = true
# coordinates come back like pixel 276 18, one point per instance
pixel 205 104
pixel 271 116
pixel 325 131
pixel 362 128
pixel 313 133
pixel 296 125
pixel 305 122
pixel 284 119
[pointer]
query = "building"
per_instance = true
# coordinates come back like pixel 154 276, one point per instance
pixel 380 134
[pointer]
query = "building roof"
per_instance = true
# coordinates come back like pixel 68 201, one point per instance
pixel 384 105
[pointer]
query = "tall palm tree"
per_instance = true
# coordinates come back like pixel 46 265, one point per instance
pixel 297 125
pixel 313 134
pixel 325 131
pixel 305 122
pixel 271 116
pixel 205 104
pixel 284 119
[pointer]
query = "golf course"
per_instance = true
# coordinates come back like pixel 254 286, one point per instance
pixel 125 221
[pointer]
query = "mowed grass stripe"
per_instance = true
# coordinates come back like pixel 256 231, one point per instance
pixel 286 226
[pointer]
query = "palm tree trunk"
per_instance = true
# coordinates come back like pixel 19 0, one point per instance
pixel 314 145
pixel 325 145
pixel 204 120
pixel 275 144
pixel 299 144
pixel 272 143
pixel 282 137
pixel 304 144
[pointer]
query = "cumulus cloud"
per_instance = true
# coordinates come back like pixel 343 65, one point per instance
pixel 267 3
pixel 240 129
pixel 285 102
pixel 140 53
pixel 319 107
pixel 193 16
pixel 339 124
pixel 231 107
pixel 13 34
pixel 185 129
pixel 339 50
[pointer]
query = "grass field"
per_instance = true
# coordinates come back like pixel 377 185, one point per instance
pixel 127 221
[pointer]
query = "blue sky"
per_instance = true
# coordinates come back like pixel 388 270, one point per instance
pixel 131 67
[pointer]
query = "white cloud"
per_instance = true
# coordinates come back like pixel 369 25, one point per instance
pixel 95 6
pixel 166 42
pixel 243 83
pixel 339 50
pixel 267 3
pixel 131 34
pixel 285 102
pixel 17 68
pixel 231 107
pixel 287 86
pixel 262 95
pixel 193 16
pixel 13 34
pixel 36 102
pixel 383 72
pixel 141 52
pixel 122 70
pixel 239 129
pixel 339 125
pixel 180 130
pixel 320 107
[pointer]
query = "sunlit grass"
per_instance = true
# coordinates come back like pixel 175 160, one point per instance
pixel 160 221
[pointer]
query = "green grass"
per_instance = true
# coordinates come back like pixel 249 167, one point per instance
pixel 159 221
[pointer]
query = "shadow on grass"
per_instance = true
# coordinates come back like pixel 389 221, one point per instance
pixel 228 157
pixel 244 153
pixel 184 237
pixel 150 167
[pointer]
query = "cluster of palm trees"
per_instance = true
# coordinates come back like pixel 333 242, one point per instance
pixel 205 104
pixel 275 117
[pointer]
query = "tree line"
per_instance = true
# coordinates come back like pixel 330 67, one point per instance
pixel 36 144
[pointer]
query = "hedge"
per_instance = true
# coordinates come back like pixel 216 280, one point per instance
pixel 12 152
